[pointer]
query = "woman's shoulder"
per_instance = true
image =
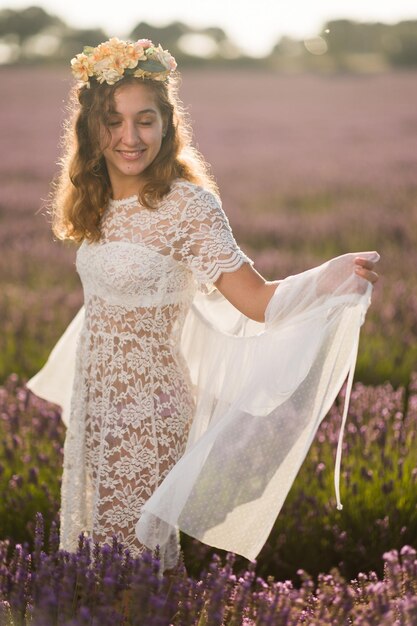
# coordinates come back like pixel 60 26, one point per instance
pixel 187 188
pixel 189 193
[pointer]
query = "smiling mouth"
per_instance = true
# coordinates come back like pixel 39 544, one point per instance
pixel 131 155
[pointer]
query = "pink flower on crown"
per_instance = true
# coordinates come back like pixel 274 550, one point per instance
pixel 144 43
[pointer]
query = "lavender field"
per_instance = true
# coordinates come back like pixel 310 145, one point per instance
pixel 371 543
pixel 309 167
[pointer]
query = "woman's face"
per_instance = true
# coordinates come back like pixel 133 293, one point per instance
pixel 136 128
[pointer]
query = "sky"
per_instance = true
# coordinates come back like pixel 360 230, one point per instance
pixel 254 25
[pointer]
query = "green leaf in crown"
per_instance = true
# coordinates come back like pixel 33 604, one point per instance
pixel 151 65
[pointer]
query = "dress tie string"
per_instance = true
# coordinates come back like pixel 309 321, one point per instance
pixel 342 427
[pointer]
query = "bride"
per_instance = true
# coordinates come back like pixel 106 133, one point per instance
pixel 191 387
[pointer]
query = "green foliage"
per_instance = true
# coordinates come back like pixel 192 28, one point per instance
pixel 32 436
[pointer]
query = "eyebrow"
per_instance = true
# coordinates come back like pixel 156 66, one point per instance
pixel 112 112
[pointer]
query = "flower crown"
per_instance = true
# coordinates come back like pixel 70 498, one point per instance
pixel 110 61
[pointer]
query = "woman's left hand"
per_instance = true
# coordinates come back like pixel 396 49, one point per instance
pixel 365 269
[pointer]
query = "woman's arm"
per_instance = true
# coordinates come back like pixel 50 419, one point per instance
pixel 249 292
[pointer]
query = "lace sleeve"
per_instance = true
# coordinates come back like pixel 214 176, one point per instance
pixel 207 245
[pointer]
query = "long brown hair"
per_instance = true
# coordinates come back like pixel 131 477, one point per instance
pixel 82 189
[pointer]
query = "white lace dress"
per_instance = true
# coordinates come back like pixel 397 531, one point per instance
pixel 132 402
pixel 183 413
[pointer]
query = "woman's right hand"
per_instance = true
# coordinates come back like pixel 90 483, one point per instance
pixel 365 268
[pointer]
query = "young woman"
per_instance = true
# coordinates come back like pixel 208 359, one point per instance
pixel 191 386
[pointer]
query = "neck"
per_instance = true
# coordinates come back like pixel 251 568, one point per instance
pixel 118 192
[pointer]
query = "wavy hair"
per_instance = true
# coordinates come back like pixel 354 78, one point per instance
pixel 82 188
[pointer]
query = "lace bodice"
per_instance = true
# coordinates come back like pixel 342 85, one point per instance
pixel 158 256
pixel 132 401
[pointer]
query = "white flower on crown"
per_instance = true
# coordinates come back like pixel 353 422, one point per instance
pixel 164 57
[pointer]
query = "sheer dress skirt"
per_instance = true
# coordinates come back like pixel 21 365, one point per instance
pixel 131 410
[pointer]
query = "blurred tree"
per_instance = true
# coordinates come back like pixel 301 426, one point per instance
pixel 33 35
pixel 183 42
pixel 402 48
pixel 44 37
pixel 397 43
pixel 74 40
pixel 216 33
pixel 168 35
pixel 26 22
pixel 346 36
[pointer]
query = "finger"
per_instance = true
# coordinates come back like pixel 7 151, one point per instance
pixel 367 274
pixel 365 263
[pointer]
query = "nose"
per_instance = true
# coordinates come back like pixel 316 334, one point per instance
pixel 130 134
